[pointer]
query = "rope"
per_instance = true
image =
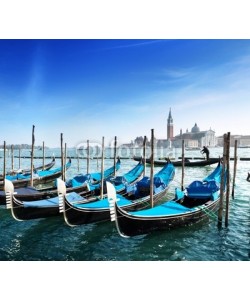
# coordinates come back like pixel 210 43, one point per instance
pixel 210 213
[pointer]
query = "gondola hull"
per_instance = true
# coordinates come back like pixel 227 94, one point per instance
pixel 36 169
pixel 29 210
pixel 36 180
pixel 21 213
pixel 132 225
pixel 44 179
pixel 74 215
pixel 30 194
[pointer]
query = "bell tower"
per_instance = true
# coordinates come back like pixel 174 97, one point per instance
pixel 170 127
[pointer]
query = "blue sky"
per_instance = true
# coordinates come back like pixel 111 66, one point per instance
pixel 87 89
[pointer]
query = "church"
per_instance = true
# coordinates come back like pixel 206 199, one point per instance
pixel 192 139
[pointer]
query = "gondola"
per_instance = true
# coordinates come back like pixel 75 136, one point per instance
pixel 20 211
pixel 41 177
pixel 187 162
pixel 93 178
pixel 27 210
pixel 137 197
pixel 120 182
pixel 36 169
pixel 77 184
pixel 199 201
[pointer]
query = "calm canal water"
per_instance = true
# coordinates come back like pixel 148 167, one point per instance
pixel 51 239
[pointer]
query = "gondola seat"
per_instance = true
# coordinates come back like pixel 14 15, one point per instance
pixel 199 189
pixel 78 180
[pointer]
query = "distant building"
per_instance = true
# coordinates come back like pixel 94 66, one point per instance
pixel 163 143
pixel 242 140
pixel 170 127
pixel 192 139
pixel 195 138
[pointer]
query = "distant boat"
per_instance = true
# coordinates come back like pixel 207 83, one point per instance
pixel 192 148
pixel 41 177
pixel 178 163
pixel 36 169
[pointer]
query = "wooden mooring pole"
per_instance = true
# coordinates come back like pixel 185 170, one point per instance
pixel 78 163
pixel 115 145
pixel 88 158
pixel 222 182
pixel 65 161
pixel 97 163
pixel 43 156
pixel 235 166
pixel 62 158
pixel 152 170
pixel 228 180
pixel 144 155
pixel 102 170
pixel 12 158
pixel 32 156
pixel 4 159
pixel 182 166
pixel 19 158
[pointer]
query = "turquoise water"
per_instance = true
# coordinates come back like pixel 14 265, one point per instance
pixel 51 239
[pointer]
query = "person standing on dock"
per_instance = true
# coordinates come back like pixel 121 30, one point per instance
pixel 206 151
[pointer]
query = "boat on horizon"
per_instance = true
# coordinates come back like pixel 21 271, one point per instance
pixel 187 162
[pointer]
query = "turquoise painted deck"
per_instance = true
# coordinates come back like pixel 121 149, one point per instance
pixel 170 208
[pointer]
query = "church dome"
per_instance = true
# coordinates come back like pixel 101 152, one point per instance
pixel 195 129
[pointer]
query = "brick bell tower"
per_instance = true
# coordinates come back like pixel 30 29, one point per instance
pixel 170 127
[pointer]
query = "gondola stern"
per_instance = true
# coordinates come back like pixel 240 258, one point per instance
pixel 61 190
pixel 112 199
pixel 9 191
